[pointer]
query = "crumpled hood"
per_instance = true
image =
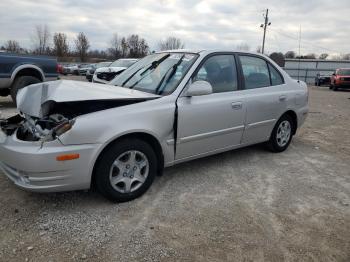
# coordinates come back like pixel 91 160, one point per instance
pixel 31 98
pixel 110 69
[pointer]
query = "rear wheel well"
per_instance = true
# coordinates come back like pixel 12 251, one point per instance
pixel 151 140
pixel 29 72
pixel 294 118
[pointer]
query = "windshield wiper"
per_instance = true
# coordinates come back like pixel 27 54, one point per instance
pixel 173 70
pixel 153 65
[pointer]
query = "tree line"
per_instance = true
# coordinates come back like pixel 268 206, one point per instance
pixel 44 43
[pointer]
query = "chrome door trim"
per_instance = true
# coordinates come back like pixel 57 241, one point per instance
pixel 261 123
pixel 211 134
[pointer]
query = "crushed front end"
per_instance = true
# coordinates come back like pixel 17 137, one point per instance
pixel 31 154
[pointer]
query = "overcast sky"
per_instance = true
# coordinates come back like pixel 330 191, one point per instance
pixel 200 24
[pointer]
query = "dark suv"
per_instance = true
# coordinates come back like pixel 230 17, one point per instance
pixel 340 79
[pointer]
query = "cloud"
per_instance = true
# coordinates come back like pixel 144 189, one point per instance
pixel 200 24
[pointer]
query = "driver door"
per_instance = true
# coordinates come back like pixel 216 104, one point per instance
pixel 214 122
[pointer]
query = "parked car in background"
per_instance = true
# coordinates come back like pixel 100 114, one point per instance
pixel 169 107
pixel 18 71
pixel 70 69
pixel 340 79
pixel 84 68
pixel 91 71
pixel 323 78
pixel 105 74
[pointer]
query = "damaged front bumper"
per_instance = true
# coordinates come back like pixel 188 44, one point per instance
pixel 34 166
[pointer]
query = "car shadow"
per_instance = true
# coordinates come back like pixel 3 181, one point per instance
pixel 63 200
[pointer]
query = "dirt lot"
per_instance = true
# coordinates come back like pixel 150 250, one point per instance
pixel 248 205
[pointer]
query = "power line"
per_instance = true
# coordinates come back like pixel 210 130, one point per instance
pixel 305 41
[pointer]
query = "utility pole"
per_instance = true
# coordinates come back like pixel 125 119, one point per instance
pixel 264 26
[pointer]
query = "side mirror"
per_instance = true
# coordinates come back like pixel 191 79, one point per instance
pixel 199 88
pixel 333 74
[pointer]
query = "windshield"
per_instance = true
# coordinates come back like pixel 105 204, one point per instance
pixel 156 73
pixel 122 63
pixel 344 72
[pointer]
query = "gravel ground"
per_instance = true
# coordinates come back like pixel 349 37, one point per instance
pixel 244 205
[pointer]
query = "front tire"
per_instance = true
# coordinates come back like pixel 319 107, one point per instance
pixel 281 135
pixel 21 82
pixel 126 170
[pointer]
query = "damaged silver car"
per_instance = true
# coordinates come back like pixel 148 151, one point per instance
pixel 167 108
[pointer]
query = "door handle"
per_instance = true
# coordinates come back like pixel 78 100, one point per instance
pixel 283 98
pixel 236 105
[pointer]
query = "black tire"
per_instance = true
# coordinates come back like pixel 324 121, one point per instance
pixel 104 164
pixel 272 144
pixel 21 82
pixel 335 88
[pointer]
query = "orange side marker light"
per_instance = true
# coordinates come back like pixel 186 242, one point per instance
pixel 67 157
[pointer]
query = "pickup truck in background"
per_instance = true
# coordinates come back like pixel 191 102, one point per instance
pixel 18 71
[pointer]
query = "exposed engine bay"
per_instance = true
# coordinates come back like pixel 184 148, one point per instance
pixel 35 129
pixel 59 117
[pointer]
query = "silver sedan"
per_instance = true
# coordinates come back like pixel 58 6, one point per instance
pixel 169 107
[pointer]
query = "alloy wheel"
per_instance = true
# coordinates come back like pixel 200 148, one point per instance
pixel 129 171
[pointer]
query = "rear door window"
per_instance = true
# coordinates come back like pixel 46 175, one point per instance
pixel 255 72
pixel 276 78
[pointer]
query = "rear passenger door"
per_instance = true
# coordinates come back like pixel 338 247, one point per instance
pixel 265 97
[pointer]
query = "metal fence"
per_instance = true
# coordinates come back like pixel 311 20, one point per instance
pixel 307 69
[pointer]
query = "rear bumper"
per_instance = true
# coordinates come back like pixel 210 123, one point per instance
pixel 35 168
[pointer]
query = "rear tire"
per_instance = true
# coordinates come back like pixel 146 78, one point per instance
pixel 335 88
pixel 281 135
pixel 126 170
pixel 20 82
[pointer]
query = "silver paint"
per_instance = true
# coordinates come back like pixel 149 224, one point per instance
pixel 207 124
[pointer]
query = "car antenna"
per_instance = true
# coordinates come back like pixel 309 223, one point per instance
pixel 299 54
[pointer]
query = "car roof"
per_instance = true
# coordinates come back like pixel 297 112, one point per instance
pixel 207 51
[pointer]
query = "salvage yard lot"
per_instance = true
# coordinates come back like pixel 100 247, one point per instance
pixel 247 204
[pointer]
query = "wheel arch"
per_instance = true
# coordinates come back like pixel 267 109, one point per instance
pixel 148 138
pixel 28 70
pixel 294 117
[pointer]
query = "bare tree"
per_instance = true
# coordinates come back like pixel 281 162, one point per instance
pixel 137 47
pixel 82 45
pixel 124 47
pixel 40 39
pixel 243 47
pixel 345 57
pixel 12 46
pixel 60 42
pixel 323 56
pixel 258 49
pixel 310 56
pixel 116 47
pixel 171 43
pixel 290 54
pixel 278 57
